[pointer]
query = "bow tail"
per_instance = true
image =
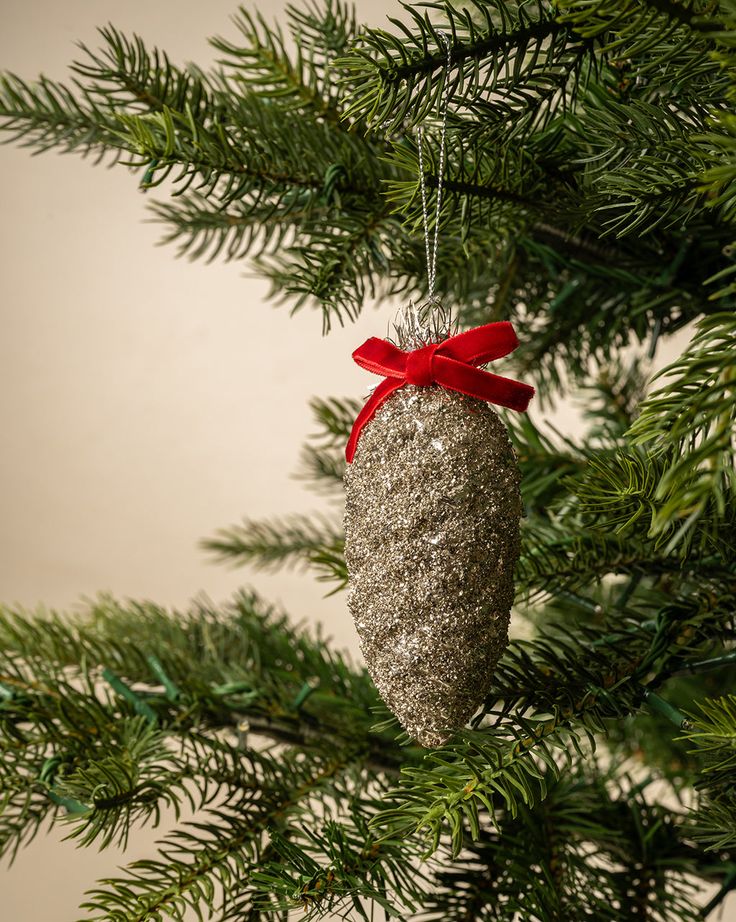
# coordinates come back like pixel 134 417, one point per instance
pixel 379 396
pixel 475 382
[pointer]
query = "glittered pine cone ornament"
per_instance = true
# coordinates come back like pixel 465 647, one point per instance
pixel 432 526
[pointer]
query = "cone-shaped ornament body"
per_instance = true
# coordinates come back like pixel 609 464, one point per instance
pixel 431 541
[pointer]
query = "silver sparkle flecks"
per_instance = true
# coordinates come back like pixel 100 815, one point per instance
pixel 416 325
pixel 432 538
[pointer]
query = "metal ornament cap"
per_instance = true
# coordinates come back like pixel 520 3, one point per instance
pixel 431 542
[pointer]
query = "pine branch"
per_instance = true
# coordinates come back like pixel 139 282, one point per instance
pixel 690 420
pixel 728 885
pixel 625 492
pixel 335 868
pixel 23 812
pixel 335 418
pixel 200 863
pixel 248 796
pixel 124 75
pixel 642 169
pixel 47 115
pixel 324 468
pixel 74 748
pixel 631 27
pixel 279 177
pixel 612 401
pixel 590 843
pixel 719 179
pixel 244 227
pixel 570 675
pixel 564 556
pixel 713 733
pixel 338 266
pixel 546 460
pixel 298 540
pixel 262 64
pixel 524 106
pixel 267 182
pixel 402 78
pixel 243 663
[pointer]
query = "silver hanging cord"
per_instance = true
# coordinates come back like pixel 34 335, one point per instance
pixel 417 325
pixel 432 256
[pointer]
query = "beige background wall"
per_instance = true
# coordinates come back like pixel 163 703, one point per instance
pixel 141 403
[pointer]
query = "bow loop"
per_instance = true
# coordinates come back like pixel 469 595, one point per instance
pixel 451 364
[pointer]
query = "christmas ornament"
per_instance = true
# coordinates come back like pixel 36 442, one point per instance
pixel 432 511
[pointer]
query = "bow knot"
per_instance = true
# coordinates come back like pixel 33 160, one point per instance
pixel 420 365
pixel 452 364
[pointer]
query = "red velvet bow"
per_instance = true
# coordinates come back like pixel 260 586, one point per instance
pixel 451 364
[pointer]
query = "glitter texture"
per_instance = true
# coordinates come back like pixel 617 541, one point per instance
pixel 432 538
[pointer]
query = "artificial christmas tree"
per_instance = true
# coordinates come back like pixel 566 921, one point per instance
pixel 589 199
